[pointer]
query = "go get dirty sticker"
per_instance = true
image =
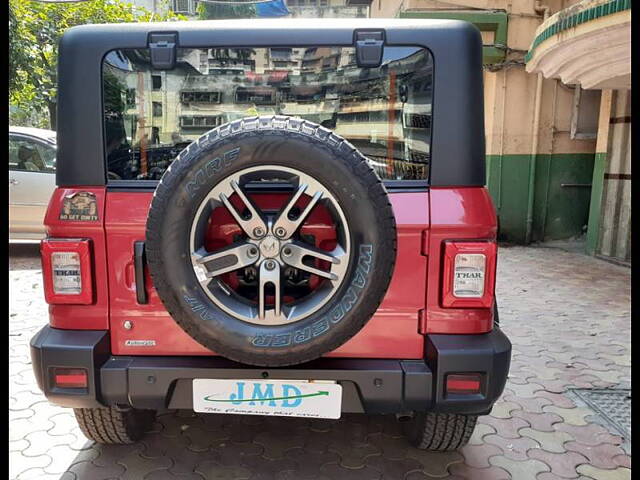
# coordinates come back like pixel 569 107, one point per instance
pixel 283 398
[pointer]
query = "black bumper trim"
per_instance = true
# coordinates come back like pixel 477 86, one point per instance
pixel 369 385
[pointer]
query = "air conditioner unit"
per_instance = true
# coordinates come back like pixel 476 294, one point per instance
pixel 184 6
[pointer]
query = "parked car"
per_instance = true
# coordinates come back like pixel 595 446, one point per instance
pixel 32 180
pixel 273 266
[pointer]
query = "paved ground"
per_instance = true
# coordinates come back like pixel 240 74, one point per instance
pixel 567 315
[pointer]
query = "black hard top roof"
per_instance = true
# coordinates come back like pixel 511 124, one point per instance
pixel 458 144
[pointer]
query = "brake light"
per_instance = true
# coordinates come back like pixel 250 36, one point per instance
pixel 66 270
pixel 469 274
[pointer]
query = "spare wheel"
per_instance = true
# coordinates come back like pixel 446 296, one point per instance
pixel 271 240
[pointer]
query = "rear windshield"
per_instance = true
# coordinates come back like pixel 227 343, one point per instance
pixel 151 115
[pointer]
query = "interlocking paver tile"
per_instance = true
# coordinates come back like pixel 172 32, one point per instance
pixel 599 474
pixel 508 427
pixel 561 464
pixel 393 469
pixel 19 463
pixel 64 423
pixel 513 448
pixel 504 409
pixel 477 456
pixel 527 390
pixel 110 454
pixel 335 471
pixel 40 442
pixel 460 470
pixel 393 448
pixel 572 416
pixel 623 460
pixel 18 445
pixel 268 467
pixel 435 464
pixel 623 360
pixel 211 470
pixel 550 441
pixel 167 475
pixel 551 476
pixel 277 442
pixel 155 445
pixel 230 454
pixel 521 470
pixel 600 456
pixel 40 474
pixel 137 466
pixel 201 440
pixel 539 421
pixel 354 454
pixel 92 471
pixel 481 430
pixel 62 458
pixel 557 399
pixel 308 464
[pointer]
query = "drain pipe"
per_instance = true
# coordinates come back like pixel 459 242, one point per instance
pixel 544 10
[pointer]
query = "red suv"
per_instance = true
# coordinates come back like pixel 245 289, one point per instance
pixel 286 217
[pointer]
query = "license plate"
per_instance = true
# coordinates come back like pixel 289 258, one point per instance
pixel 284 398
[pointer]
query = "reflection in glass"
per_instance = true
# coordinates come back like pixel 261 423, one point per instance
pixel 151 116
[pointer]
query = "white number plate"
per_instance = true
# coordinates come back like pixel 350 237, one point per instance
pixel 285 398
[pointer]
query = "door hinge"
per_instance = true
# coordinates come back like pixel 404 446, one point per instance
pixel 163 50
pixel 424 247
pixel 422 321
pixel 369 48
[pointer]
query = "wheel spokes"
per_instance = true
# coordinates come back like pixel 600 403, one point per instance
pixel 269 275
pixel 287 226
pixel 294 254
pixel 255 227
pixel 228 259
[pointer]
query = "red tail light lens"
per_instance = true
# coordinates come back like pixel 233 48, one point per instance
pixel 66 269
pixel 469 274
pixel 70 378
pixel 463 384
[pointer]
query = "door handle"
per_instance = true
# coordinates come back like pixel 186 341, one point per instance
pixel 139 259
pixel 13 181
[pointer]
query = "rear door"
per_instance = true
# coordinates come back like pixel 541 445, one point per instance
pixel 381 110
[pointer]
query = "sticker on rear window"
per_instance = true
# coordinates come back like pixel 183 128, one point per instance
pixel 79 207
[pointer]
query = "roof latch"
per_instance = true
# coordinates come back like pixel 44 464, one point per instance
pixel 369 46
pixel 163 50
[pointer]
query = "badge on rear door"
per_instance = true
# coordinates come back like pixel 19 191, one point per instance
pixel 79 207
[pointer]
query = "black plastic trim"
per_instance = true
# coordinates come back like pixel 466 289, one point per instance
pixel 488 354
pixel 369 385
pixel 88 349
pixel 458 143
pixel 139 261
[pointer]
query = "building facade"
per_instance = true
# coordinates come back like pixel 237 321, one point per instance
pixel 557 114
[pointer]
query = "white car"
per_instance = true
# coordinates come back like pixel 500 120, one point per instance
pixel 32 180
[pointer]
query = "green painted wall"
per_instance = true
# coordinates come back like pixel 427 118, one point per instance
pixel 596 203
pixel 559 212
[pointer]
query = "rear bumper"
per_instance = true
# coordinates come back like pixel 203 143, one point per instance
pixel 369 385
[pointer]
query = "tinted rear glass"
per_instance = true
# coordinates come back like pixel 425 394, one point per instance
pixel 150 115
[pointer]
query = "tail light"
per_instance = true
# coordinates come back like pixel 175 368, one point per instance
pixel 469 274
pixel 460 383
pixel 69 377
pixel 66 268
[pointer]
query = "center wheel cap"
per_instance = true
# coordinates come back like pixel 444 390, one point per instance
pixel 270 247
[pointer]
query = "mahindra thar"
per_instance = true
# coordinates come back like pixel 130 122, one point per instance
pixel 275 217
